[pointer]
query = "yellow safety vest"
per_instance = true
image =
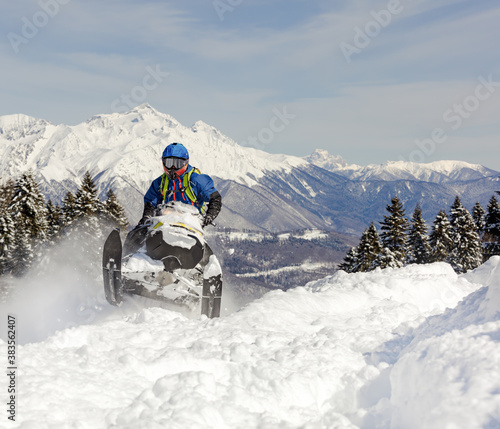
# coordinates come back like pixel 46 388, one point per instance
pixel 186 188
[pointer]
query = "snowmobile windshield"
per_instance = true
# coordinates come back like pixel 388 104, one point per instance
pixel 176 207
pixel 173 163
pixel 176 214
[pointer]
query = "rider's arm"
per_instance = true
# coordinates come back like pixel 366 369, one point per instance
pixel 153 195
pixel 149 210
pixel 151 200
pixel 214 206
pixel 206 192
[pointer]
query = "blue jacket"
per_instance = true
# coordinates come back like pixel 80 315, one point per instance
pixel 201 184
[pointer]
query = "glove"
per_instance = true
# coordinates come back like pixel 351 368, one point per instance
pixel 208 219
pixel 214 206
pixel 143 221
pixel 148 211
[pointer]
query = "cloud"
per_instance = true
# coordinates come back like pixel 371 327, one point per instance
pixel 444 47
pixel 232 73
pixel 373 124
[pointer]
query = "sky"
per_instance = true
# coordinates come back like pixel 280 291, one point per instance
pixel 371 81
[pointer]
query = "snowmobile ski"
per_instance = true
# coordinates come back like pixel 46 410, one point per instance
pixel 212 294
pixel 111 268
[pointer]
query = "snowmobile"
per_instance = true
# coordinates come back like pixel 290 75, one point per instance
pixel 165 259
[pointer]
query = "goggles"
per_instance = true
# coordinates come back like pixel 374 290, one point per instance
pixel 173 163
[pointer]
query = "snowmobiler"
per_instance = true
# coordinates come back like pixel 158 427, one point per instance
pixel 184 183
pixel 165 257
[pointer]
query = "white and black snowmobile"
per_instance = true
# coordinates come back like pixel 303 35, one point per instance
pixel 165 259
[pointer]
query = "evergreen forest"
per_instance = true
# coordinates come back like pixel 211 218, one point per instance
pixel 463 239
pixel 30 225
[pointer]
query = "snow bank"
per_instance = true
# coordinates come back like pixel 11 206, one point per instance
pixel 387 349
pixel 449 376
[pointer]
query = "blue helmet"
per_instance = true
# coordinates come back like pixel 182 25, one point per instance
pixel 176 150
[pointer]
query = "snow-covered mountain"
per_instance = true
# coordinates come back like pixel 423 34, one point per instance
pixel 322 158
pixel 260 191
pixel 435 172
pixel 116 142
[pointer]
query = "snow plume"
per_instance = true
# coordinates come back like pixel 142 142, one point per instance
pixel 62 289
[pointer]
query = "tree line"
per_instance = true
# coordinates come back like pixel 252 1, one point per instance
pixel 29 225
pixel 462 239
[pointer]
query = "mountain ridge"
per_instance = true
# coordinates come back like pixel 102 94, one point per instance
pixel 435 171
pixel 261 191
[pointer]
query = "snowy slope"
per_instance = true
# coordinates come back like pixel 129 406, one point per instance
pixel 436 172
pixel 387 349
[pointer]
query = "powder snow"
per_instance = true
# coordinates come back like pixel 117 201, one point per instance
pixel 415 347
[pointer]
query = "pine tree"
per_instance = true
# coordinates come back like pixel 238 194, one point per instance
pixel 479 219
pixel 29 215
pixel 6 193
pixel 115 211
pixel 7 229
pixel 491 236
pixel 387 259
pixel 28 208
pixel 89 209
pixel 393 234
pixel 87 229
pixel 440 238
pixel 87 202
pixel 54 218
pixel 466 254
pixel 23 252
pixel 418 244
pixel 368 249
pixel 350 264
pixel 69 210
